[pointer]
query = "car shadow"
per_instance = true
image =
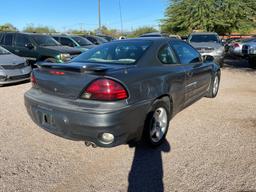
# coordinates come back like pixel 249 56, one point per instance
pixel 238 63
pixel 16 83
pixel 146 173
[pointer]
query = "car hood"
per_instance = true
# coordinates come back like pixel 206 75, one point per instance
pixel 207 44
pixel 11 59
pixel 63 49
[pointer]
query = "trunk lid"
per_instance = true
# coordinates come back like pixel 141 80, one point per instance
pixel 69 80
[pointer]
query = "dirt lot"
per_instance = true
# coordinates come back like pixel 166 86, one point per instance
pixel 211 147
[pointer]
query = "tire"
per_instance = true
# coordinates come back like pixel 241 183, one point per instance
pixel 252 63
pixel 157 123
pixel 214 87
pixel 50 60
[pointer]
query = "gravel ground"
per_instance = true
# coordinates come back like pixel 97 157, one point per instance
pixel 211 147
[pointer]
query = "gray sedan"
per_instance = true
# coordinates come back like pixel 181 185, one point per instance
pixel 121 92
pixel 13 68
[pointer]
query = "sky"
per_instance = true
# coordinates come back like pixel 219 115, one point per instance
pixel 66 14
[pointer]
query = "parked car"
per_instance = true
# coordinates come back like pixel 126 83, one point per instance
pixel 106 37
pixel 78 42
pixel 95 39
pixel 155 34
pixel 229 42
pixel 121 91
pixel 13 68
pixel 37 47
pixel 249 51
pixel 235 48
pixel 208 44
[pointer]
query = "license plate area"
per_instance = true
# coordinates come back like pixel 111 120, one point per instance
pixel 46 118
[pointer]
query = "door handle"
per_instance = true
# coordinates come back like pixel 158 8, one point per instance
pixel 190 73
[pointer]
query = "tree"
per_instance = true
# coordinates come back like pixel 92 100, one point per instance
pixel 221 16
pixel 7 27
pixel 39 29
pixel 141 30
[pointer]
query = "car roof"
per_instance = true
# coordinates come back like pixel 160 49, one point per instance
pixel 25 33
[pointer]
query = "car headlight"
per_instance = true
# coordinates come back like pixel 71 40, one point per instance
pixel 64 56
pixel 219 50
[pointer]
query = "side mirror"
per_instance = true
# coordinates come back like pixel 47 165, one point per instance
pixel 29 46
pixel 208 58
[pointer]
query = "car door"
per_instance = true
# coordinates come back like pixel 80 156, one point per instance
pixel 175 76
pixel 198 73
pixel 24 47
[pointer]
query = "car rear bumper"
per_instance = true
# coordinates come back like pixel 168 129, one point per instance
pixel 71 122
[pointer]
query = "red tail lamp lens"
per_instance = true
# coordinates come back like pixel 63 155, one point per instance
pixel 105 90
pixel 33 79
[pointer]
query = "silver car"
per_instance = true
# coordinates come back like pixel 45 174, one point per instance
pixel 208 44
pixel 13 68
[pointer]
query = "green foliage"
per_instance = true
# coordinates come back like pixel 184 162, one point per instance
pixel 39 29
pixel 111 32
pixel 141 30
pixel 7 27
pixel 221 16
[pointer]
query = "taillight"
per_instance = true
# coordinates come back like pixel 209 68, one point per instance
pixel 236 45
pixel 105 90
pixel 33 79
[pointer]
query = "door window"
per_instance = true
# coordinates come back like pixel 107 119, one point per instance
pixel 166 55
pixel 67 42
pixel 21 40
pixel 186 53
pixel 8 39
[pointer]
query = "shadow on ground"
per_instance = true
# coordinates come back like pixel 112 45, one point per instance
pixel 238 63
pixel 146 173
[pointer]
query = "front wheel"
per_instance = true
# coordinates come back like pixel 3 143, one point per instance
pixel 157 124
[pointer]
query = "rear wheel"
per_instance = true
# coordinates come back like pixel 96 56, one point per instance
pixel 214 87
pixel 157 124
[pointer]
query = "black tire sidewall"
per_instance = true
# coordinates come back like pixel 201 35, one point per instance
pixel 149 123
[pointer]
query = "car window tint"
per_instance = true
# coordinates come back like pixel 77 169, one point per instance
pixel 166 55
pixel 186 53
pixel 67 42
pixel 56 38
pixel 21 40
pixel 92 40
pixel 8 39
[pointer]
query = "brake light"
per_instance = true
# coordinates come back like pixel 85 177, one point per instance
pixel 33 79
pixel 236 45
pixel 53 72
pixel 105 90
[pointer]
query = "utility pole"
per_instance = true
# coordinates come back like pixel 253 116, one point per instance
pixel 121 18
pixel 99 16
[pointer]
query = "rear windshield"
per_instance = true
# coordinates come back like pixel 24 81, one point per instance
pixel 82 41
pixel 3 51
pixel 115 53
pixel 204 38
pixel 45 40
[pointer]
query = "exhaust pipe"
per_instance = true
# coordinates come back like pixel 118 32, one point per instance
pixel 88 144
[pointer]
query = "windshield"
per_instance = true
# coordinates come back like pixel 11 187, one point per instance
pixel 101 40
pixel 115 53
pixel 45 40
pixel 82 41
pixel 3 51
pixel 204 38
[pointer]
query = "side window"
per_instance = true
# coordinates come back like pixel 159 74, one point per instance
pixel 56 38
pixel 1 38
pixel 186 53
pixel 92 40
pixel 8 39
pixel 67 42
pixel 166 55
pixel 21 40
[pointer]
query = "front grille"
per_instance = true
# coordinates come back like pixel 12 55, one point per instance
pixel 19 77
pixel 205 49
pixel 19 66
pixel 245 49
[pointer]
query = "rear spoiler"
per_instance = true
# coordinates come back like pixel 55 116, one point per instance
pixel 73 67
